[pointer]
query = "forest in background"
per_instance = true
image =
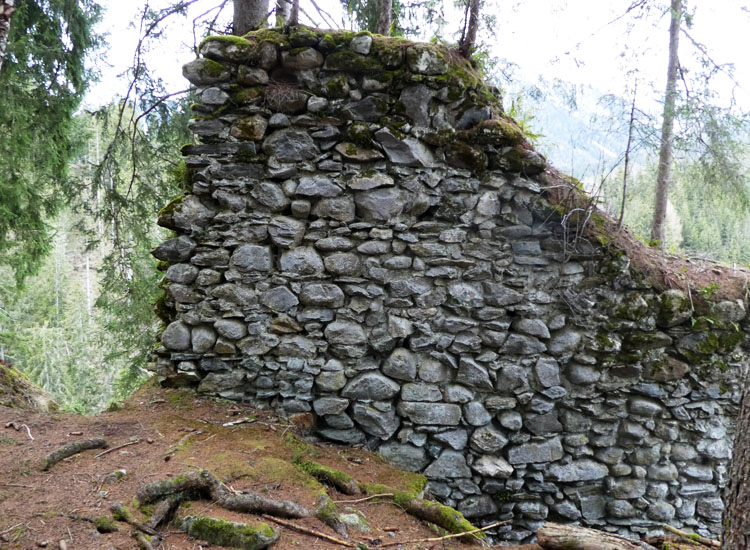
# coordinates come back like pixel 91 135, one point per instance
pixel 78 286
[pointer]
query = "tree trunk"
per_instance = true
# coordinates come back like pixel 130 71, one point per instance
pixel 249 15
pixel 472 27
pixel 282 12
pixel 384 17
pixel 736 522
pixel 664 175
pixel 6 11
pixel 554 536
pixel 294 14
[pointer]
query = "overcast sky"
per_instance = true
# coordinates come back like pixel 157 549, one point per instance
pixel 581 41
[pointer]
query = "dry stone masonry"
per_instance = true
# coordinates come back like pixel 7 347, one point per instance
pixel 366 238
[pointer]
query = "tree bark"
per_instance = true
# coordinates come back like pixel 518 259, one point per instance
pixel 282 12
pixel 384 17
pixel 664 175
pixel 6 11
pixel 736 522
pixel 554 536
pixel 470 37
pixel 294 14
pixel 249 15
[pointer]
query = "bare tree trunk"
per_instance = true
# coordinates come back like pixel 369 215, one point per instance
pixel 472 27
pixel 627 158
pixel 664 175
pixel 248 15
pixel 736 522
pixel 282 12
pixel 6 11
pixel 384 17
pixel 294 14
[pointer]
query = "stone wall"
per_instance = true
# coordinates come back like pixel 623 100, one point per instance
pixel 367 238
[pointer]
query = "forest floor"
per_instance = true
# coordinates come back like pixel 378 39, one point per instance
pixel 170 432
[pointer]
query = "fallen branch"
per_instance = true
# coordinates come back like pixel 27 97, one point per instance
pixel 9 529
pixel 446 537
pixel 555 536
pixel 71 449
pixel 121 513
pixel 17 485
pixel 311 532
pixel 179 444
pixel 113 449
pixel 336 478
pixel 352 501
pixel 692 537
pixel 28 431
pixel 143 542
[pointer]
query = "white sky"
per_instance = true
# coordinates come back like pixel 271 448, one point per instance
pixel 569 39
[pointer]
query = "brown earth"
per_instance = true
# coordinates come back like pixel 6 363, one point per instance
pixel 177 431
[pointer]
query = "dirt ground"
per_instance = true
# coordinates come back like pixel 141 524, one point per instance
pixel 170 432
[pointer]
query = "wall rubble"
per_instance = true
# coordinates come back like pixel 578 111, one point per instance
pixel 366 239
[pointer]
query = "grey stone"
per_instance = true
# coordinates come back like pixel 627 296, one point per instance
pixel 175 250
pixel 404 457
pixel 382 424
pixel 627 488
pixel 661 511
pixel 270 195
pixel 421 392
pixel 436 414
pixel 182 273
pixel 301 59
pixel 408 151
pixel 330 405
pixel 343 264
pixel 547 372
pixel 532 509
pixel 176 336
pixel 330 381
pixel 381 205
pixel 279 299
pixel 290 145
pixel 203 339
pixel 317 186
pixel 371 385
pixel 248 76
pixel 416 102
pixel 475 414
pixel 303 260
pixel 537 452
pixel 345 333
pixel 455 393
pixel 564 342
pixel 337 208
pixel 472 374
pixel 432 371
pixel 493 466
pixel 424 59
pixel 361 44
pixel 487 440
pixel 465 294
pixel 567 510
pixel 621 509
pixel 500 296
pixel 729 312
pixel 582 374
pixel 252 257
pixel 231 328
pixel 401 364
pixel 449 465
pixel 369 109
pixel 523 345
pixel 710 508
pixel 644 407
pixel 373 181
pixel 532 327
pixel 286 232
pixel 456 439
pixel 543 424
pixel 477 506
pixel 347 437
pixel 578 470
pixel 322 294
pixel 203 72
pixel 663 472
pixel 218 382
pixel 511 420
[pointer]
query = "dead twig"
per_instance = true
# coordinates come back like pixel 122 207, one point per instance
pixel 692 537
pixel 384 495
pixel 117 448
pixel 307 531
pixel 28 431
pixel 17 485
pixel 9 529
pixel 451 536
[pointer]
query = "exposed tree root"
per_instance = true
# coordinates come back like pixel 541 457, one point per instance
pixel 228 533
pixel 121 513
pixel 145 542
pixel 312 532
pixel 204 483
pixel 343 482
pixel 71 449
pixel 326 512
pixel 165 510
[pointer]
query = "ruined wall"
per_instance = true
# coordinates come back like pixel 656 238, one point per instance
pixel 366 239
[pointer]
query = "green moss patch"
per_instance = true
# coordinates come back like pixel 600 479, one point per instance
pixel 228 533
